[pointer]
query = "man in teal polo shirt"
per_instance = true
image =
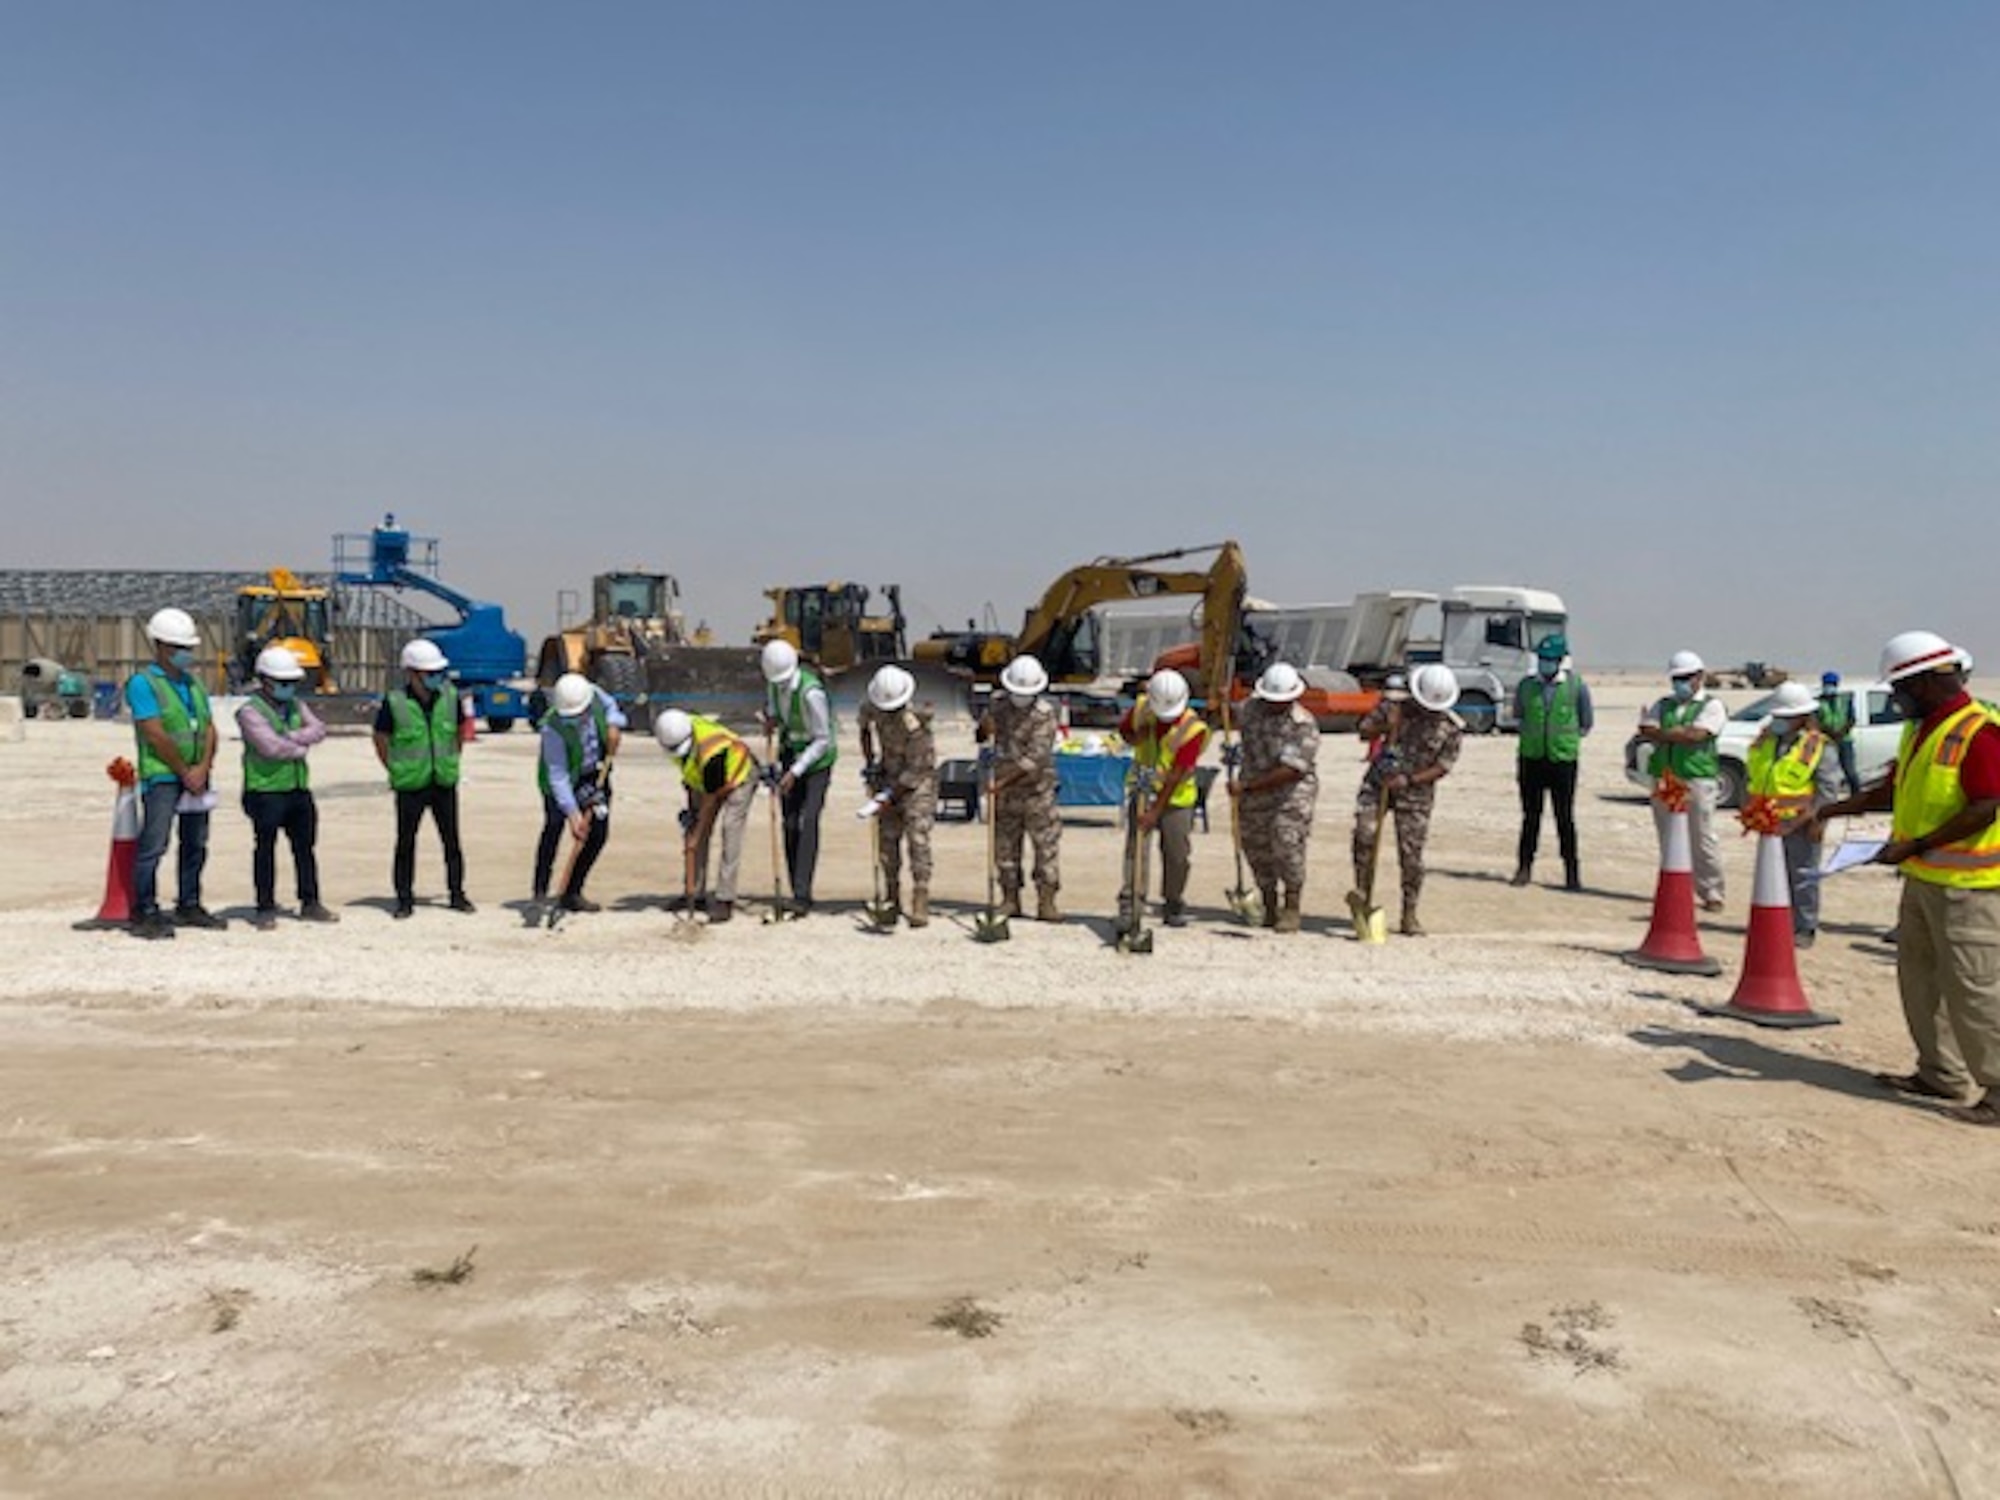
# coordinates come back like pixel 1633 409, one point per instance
pixel 176 735
pixel 1553 710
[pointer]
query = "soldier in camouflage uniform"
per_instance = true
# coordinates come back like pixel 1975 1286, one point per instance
pixel 1022 726
pixel 904 780
pixel 1276 790
pixel 1413 742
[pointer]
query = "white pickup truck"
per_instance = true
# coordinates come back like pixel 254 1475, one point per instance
pixel 1878 732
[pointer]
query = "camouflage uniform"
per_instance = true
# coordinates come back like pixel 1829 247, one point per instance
pixel 1277 823
pixel 1415 740
pixel 907 758
pixel 1024 742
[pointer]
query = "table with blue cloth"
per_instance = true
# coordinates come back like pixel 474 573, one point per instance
pixel 1091 780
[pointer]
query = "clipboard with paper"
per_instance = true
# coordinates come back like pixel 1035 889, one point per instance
pixel 1849 855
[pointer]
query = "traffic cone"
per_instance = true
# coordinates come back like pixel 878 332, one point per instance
pixel 1672 943
pixel 1769 992
pixel 116 908
pixel 468 724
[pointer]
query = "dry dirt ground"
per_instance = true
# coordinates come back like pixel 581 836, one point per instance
pixel 805 1210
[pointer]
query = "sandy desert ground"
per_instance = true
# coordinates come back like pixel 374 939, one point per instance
pixel 806 1210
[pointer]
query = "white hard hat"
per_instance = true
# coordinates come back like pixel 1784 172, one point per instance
pixel 1434 687
pixel 1396 687
pixel 780 662
pixel 1025 677
pixel 1684 664
pixel 573 694
pixel 1281 683
pixel 675 732
pixel 422 655
pixel 278 664
pixel 1916 651
pixel 1167 691
pixel 1793 700
pixel 172 627
pixel 891 688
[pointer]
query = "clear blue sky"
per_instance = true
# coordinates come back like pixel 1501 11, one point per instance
pixel 1686 311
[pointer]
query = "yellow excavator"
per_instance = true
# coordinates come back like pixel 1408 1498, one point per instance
pixel 1061 632
pixel 286 612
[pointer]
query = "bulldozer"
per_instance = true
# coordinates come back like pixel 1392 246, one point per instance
pixel 635 619
pixel 831 626
pixel 286 612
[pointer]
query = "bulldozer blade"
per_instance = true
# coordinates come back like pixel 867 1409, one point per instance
pixel 990 928
pixel 1371 923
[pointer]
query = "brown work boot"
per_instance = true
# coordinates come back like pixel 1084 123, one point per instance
pixel 920 906
pixel 1289 918
pixel 1046 909
pixel 1411 926
pixel 1268 895
pixel 1010 901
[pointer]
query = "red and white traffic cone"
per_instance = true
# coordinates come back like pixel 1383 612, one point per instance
pixel 1769 993
pixel 116 908
pixel 468 724
pixel 1672 943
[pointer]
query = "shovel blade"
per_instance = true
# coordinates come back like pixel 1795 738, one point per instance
pixel 1136 942
pixel 991 929
pixel 882 916
pixel 1371 923
pixel 1247 905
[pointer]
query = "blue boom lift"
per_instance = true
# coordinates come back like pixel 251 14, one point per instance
pixel 485 653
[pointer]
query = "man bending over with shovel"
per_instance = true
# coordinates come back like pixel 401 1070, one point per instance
pixel 1419 746
pixel 1167 740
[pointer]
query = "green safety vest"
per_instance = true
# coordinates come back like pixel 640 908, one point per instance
pixel 1689 762
pixel 423 751
pixel 263 773
pixel 1550 728
pixel 566 731
pixel 189 732
pixel 1836 714
pixel 710 740
pixel 789 709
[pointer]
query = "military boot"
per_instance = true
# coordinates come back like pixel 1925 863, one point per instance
pixel 1046 909
pixel 920 906
pixel 1411 926
pixel 1288 919
pixel 1010 901
pixel 1267 895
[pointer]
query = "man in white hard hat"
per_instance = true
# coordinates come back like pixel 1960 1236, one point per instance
pixel 798 711
pixel 1167 739
pixel 176 734
pixel 278 729
pixel 1791 770
pixel 1681 728
pixel 580 735
pixel 1413 745
pixel 1023 727
pixel 1276 789
pixel 900 753
pixel 416 739
pixel 1944 838
pixel 720 777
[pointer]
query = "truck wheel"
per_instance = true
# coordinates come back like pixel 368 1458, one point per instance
pixel 500 725
pixel 1730 784
pixel 1478 712
pixel 624 678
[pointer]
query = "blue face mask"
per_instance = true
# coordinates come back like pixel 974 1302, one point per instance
pixel 1683 688
pixel 284 692
pixel 183 659
pixel 435 681
pixel 1548 666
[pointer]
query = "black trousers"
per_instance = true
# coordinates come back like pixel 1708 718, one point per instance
pixel 1542 780
pixel 441 802
pixel 554 821
pixel 294 815
pixel 802 807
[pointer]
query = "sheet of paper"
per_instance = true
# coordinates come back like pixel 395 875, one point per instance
pixel 1848 855
pixel 197 802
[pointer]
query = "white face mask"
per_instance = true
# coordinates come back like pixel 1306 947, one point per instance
pixel 1021 700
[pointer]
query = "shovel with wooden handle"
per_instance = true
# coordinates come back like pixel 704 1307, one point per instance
pixel 1133 934
pixel 1371 923
pixel 991 926
pixel 881 910
pixel 1246 903
pixel 779 912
